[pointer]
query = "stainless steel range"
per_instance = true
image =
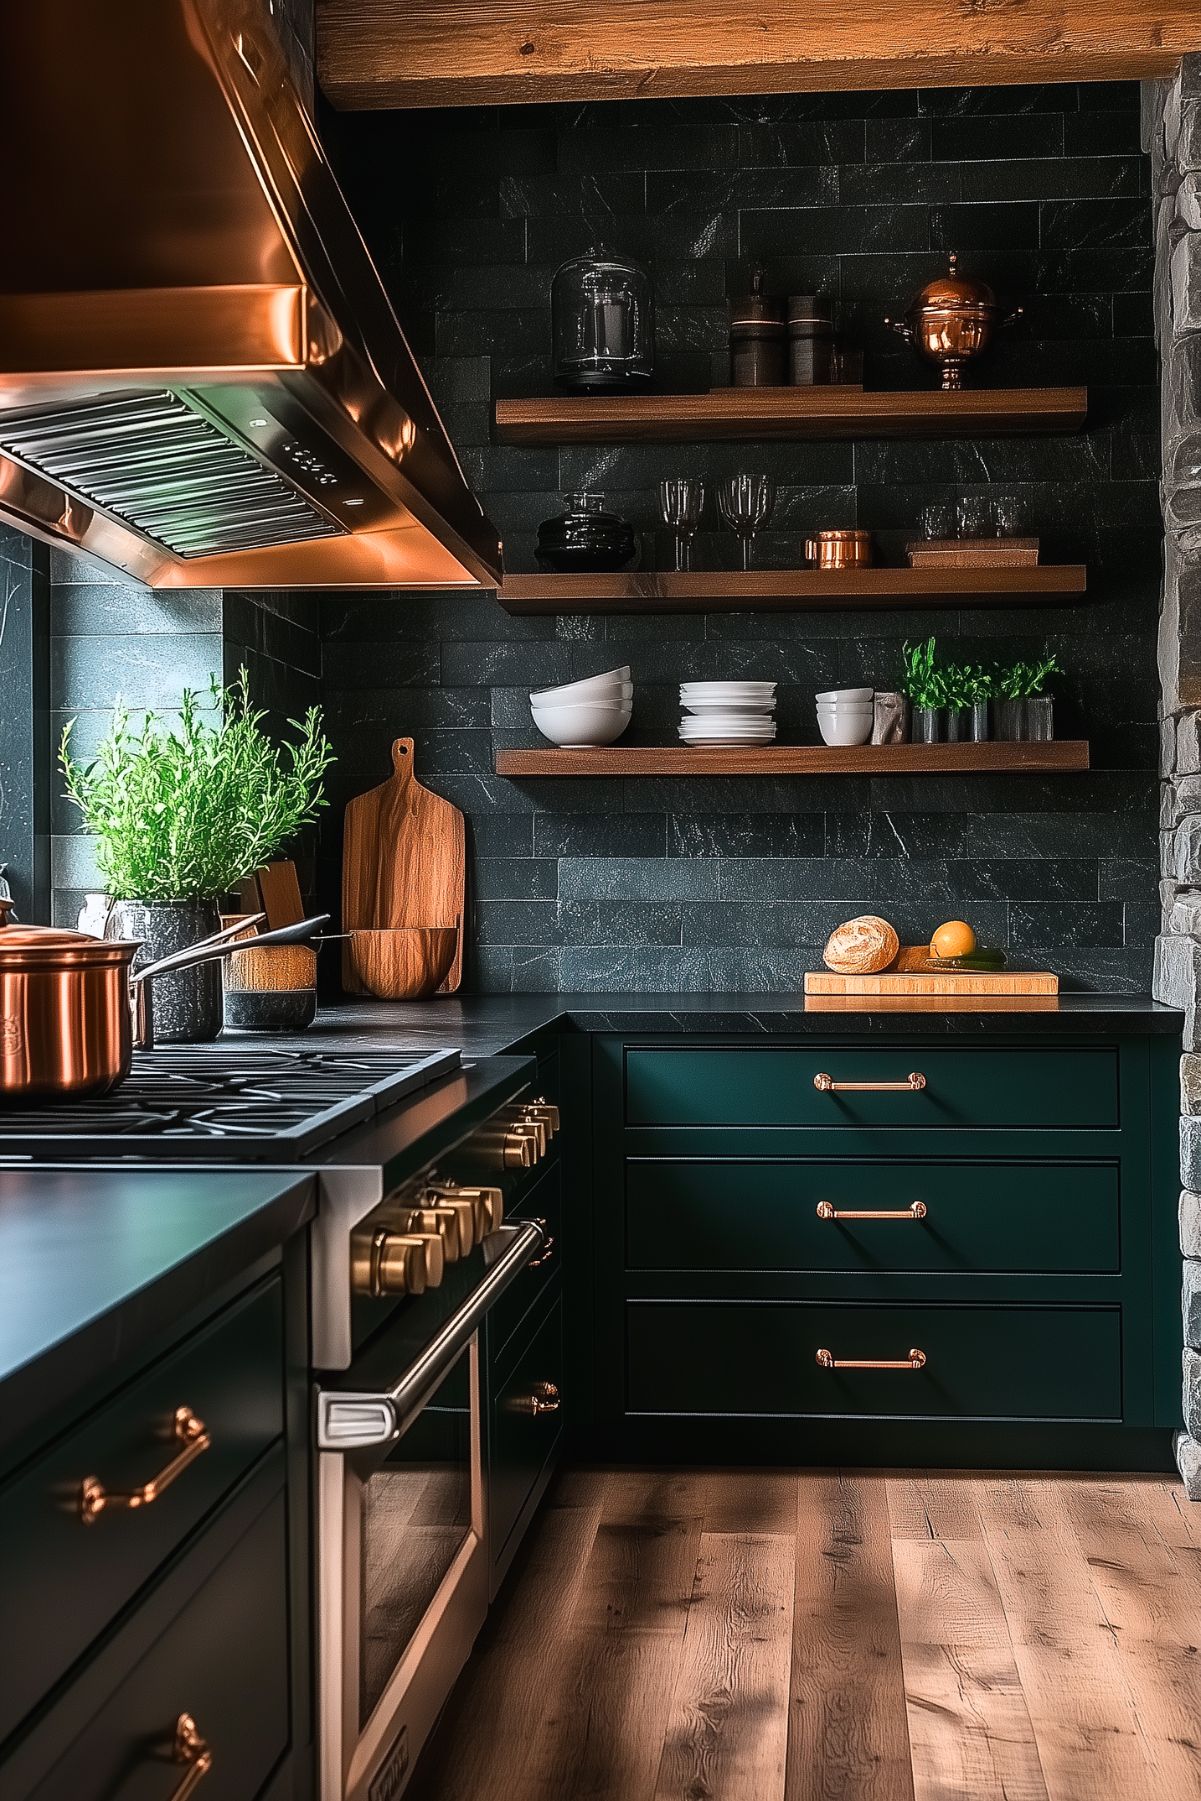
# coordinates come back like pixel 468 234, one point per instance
pixel 422 1225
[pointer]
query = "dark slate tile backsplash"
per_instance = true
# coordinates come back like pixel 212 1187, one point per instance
pixel 735 884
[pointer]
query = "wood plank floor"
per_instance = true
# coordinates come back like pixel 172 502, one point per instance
pixel 838 1636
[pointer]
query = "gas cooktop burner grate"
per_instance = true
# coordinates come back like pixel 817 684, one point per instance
pixel 211 1100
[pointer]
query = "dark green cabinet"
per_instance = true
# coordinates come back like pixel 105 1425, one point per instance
pixel 525 1431
pixel 1023 1240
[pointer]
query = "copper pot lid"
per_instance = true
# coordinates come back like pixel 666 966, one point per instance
pixel 59 943
pixel 953 292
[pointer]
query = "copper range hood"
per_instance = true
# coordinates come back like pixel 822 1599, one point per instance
pixel 202 381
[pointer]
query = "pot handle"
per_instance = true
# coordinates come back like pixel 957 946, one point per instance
pixel 1011 318
pixel 224 944
pixel 902 329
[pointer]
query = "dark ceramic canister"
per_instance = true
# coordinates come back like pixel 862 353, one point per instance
pixel 758 347
pixel 810 341
pixel 978 722
pixel 958 725
pixel 927 725
pixel 186 1005
pixel 602 323
pixel 585 537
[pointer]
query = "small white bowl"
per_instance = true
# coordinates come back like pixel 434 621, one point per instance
pixel 844 694
pixel 583 724
pixel 844 731
pixel 585 688
pixel 615 703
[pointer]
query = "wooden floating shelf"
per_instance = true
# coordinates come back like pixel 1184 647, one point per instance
pixel 791 590
pixel 800 759
pixel 819 412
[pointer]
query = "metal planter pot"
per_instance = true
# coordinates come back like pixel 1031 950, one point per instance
pixel 187 1004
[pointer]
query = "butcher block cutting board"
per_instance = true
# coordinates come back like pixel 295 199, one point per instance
pixel 979 982
pixel 404 858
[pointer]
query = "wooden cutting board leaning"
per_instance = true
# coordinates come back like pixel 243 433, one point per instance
pixel 404 871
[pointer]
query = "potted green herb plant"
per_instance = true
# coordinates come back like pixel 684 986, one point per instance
pixel 1040 706
pixel 923 685
pixel 977 692
pixel 954 689
pixel 180 816
pixel 1023 710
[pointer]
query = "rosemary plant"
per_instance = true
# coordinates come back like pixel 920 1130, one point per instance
pixel 186 813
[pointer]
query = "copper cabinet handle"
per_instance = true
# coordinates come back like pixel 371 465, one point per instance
pixel 916 1360
pixel 543 1397
pixel 187 1747
pixel 827 1210
pixel 548 1247
pixel 914 1082
pixel 188 1432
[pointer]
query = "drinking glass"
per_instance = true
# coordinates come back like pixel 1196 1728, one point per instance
pixel 746 502
pixel 1010 517
pixel 681 503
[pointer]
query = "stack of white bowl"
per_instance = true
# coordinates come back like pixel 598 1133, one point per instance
pixel 844 715
pixel 728 712
pixel 582 715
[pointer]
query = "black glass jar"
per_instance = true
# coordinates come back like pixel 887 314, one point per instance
pixel 585 538
pixel 603 324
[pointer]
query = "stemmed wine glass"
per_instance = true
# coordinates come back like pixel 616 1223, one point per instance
pixel 681 503
pixel 746 502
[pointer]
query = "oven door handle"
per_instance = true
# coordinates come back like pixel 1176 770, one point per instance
pixel 349 1421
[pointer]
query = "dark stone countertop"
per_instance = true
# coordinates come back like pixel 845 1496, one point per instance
pixel 95 1264
pixel 485 1025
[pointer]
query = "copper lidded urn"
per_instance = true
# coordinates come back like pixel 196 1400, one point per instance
pixel 951 321
pixel 66 1028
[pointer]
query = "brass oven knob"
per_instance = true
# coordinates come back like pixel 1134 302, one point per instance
pixel 485 1207
pixel 391 1263
pixel 545 1112
pixel 520 1147
pixel 464 1214
pixel 451 1224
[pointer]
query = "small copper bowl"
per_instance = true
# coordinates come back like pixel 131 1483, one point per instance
pixel 839 550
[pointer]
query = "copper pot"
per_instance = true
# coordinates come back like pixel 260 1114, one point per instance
pixel 839 550
pixel 66 1028
pixel 72 1007
pixel 951 321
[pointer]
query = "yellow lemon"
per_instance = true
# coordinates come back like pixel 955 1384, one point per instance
pixel 954 939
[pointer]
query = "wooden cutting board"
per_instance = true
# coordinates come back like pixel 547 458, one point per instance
pixel 404 858
pixel 956 981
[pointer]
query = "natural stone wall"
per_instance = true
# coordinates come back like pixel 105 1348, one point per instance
pixel 1172 135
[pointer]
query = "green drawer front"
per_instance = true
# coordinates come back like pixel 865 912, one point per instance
pixel 986 1218
pixel 224 1661
pixel 738 1359
pixel 63 1579
pixel 521 1440
pixel 775 1087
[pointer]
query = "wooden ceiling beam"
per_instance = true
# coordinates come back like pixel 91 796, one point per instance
pixel 422 53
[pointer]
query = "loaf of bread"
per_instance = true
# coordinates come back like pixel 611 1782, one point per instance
pixel 861 947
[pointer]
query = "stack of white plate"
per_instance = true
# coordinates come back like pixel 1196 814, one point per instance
pixel 728 712
pixel 581 715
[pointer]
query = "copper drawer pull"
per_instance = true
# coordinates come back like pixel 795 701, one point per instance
pixel 187 1431
pixel 548 1247
pixel 916 1360
pixel 543 1397
pixel 914 1082
pixel 189 1748
pixel 827 1210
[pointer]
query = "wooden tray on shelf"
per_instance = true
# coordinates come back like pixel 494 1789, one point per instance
pixel 972 553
